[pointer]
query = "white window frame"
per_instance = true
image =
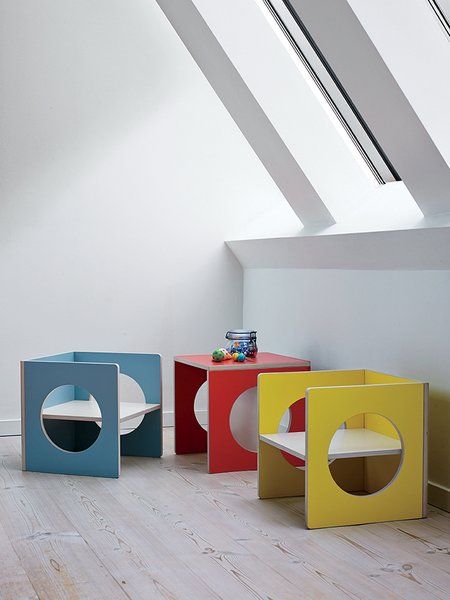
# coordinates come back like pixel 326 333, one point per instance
pixel 333 92
pixel 441 9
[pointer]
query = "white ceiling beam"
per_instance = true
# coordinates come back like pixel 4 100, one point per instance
pixel 246 112
pixel 386 250
pixel 359 67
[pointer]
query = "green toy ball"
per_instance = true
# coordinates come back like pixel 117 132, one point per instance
pixel 218 355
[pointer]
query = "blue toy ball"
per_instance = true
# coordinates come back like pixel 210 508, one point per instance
pixel 240 357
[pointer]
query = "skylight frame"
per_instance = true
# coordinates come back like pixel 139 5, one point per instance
pixel 332 90
pixel 441 14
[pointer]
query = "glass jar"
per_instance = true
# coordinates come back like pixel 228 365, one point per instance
pixel 242 340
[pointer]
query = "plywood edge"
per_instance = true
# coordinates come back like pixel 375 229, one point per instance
pixel 146 408
pixel 374 446
pixel 425 453
pixel 246 366
pixel 72 415
pixel 22 413
pixel 161 424
pixel 273 440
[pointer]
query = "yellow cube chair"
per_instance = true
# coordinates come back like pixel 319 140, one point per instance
pixel 364 445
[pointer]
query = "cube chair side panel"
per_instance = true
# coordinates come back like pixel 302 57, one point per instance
pixel 39 453
pixel 326 503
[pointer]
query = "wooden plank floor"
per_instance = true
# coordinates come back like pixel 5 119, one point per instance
pixel 167 529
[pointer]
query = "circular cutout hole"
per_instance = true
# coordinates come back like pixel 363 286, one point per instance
pixel 68 418
pixel 293 420
pixel 365 454
pixel 285 422
pixel 244 420
pixel 130 391
pixel 201 406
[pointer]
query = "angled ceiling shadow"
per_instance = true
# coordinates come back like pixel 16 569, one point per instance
pixel 357 65
pixel 247 113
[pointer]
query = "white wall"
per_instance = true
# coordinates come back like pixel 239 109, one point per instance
pixel 121 175
pixel 392 321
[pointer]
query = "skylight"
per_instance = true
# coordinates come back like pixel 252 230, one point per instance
pixel 288 94
pixel 319 75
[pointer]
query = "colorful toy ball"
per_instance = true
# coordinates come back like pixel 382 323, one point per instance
pixel 218 355
pixel 238 357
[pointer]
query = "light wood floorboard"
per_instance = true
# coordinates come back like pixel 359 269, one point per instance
pixel 166 529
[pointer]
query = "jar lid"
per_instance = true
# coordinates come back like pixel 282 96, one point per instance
pixel 241 334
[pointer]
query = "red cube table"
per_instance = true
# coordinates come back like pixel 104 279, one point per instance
pixel 227 380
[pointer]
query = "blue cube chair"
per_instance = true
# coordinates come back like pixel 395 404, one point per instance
pixel 72 440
